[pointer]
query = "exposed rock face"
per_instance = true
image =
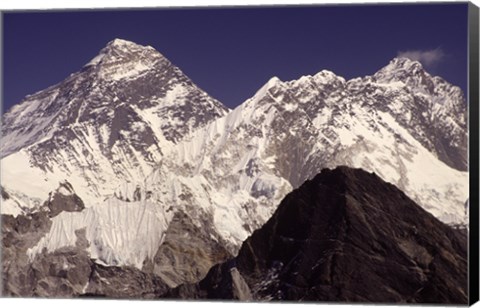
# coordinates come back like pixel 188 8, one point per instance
pixel 4 194
pixel 64 199
pixel 123 282
pixel 63 273
pixel 66 272
pixel 347 236
pixel 223 281
pixel 187 252
pixel 18 234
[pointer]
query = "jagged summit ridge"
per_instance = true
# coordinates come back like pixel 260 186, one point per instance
pixel 291 129
pixel 438 108
pixel 402 63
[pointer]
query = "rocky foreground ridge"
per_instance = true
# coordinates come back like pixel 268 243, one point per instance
pixel 344 236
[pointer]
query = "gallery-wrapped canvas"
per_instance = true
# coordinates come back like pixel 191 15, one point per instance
pixel 308 153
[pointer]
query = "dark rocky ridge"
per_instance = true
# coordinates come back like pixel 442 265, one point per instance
pixel 347 236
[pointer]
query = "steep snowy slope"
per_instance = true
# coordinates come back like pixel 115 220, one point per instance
pixel 107 124
pixel 120 230
pixel 124 231
pixel 431 109
pixel 388 124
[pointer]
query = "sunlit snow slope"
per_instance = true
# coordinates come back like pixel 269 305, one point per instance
pixel 401 123
pixel 105 125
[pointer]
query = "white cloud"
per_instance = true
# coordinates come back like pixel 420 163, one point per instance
pixel 426 57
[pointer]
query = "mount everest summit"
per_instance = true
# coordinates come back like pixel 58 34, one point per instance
pixel 135 152
pixel 112 120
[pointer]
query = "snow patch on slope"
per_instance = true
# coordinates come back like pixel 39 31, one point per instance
pixel 10 207
pixel 119 233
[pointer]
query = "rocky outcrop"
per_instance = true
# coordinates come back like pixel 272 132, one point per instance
pixel 4 194
pixel 64 198
pixel 223 281
pixel 66 272
pixel 123 282
pixel 346 236
pixel 63 273
pixel 187 252
pixel 18 235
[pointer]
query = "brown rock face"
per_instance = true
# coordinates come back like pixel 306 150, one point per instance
pixel 347 236
pixel 62 273
pixel 187 253
pixel 123 282
pixel 223 281
pixel 67 272
pixel 18 235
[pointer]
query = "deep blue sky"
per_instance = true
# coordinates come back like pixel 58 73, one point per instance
pixel 230 53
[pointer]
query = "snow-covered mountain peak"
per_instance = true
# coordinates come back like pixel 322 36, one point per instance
pixel 119 52
pixel 400 115
pixel 126 47
pixel 272 82
pixel 108 123
pixel 325 76
pixel 137 139
pixel 124 44
pixel 401 63
pixel 406 62
pixel 407 71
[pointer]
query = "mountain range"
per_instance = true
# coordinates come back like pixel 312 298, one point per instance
pixel 130 164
